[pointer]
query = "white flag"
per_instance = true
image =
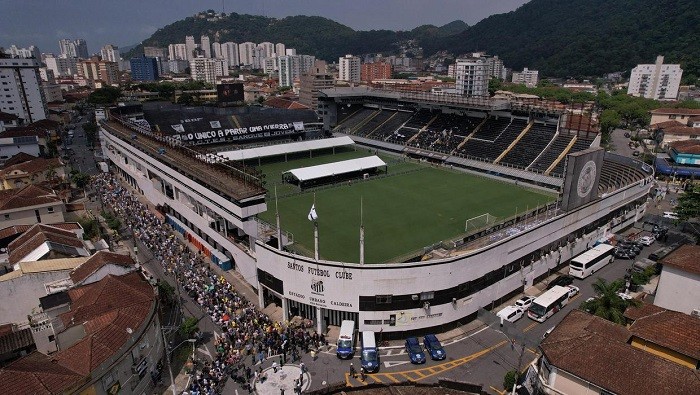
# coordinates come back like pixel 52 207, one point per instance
pixel 312 213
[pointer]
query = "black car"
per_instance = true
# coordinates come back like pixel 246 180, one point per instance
pixel 561 281
pixel 620 253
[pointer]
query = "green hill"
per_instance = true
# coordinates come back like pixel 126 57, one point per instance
pixel 586 37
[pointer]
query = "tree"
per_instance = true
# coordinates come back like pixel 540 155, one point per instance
pixel 90 130
pixel 609 120
pixel 186 99
pixel 166 293
pixel 80 179
pixel 509 379
pixel 188 327
pixel 495 84
pixel 688 209
pixel 106 95
pixel 608 304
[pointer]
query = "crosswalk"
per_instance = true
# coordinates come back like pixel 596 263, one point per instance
pixel 416 374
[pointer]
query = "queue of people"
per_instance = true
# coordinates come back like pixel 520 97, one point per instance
pixel 246 332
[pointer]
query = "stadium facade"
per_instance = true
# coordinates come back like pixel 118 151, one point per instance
pixel 215 204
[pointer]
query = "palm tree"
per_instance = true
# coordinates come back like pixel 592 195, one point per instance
pixel 608 304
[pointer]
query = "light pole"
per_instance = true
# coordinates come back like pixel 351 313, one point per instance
pixel 170 351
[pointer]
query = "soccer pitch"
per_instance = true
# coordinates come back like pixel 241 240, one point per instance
pixel 415 206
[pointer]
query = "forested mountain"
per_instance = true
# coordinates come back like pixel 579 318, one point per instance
pixel 558 37
pixel 586 37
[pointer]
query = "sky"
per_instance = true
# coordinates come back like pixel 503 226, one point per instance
pixel 128 22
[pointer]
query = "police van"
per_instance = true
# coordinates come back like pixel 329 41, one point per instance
pixel 369 356
pixel 346 340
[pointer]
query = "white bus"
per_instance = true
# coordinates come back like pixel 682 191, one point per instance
pixel 545 305
pixel 591 261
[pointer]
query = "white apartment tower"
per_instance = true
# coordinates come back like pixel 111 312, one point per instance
pixel 268 48
pixel 21 89
pixel 246 53
pixel 288 69
pixel 177 52
pixel 206 46
pixel 62 66
pixel 656 81
pixel 190 46
pixel 216 51
pixel 31 52
pixel 229 52
pixel 280 49
pixel 349 68
pixel 205 69
pixel 110 53
pixel 472 77
pixel 527 77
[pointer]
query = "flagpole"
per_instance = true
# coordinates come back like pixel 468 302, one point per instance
pixel 315 232
pixel 277 218
pixel 362 236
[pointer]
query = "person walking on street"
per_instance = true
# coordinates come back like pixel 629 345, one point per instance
pixel 353 372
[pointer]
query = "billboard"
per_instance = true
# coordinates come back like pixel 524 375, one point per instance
pixel 229 93
pixel 581 177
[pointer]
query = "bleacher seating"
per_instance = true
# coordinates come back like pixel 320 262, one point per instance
pixel 373 122
pixel 552 153
pixel 615 175
pixel 350 123
pixel 503 134
pixel 446 132
pixel 530 145
pixel 580 145
pixel 401 136
pixel 390 126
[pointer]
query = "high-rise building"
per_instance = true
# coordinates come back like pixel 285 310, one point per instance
pixel 216 51
pixel 205 69
pixel 349 68
pixel 472 76
pixel 270 65
pixel 287 69
pixel 74 48
pixel 306 63
pixel 206 46
pixel 527 77
pixel 190 46
pixel 21 89
pixel 25 53
pixel 81 48
pixel 177 52
pixel 656 81
pixel 229 52
pixel 290 51
pixel 99 70
pixel 62 66
pixel 268 49
pixel 178 66
pixel 280 49
pixel 246 53
pixel 110 53
pixel 144 68
pixel 375 71
pixel 312 81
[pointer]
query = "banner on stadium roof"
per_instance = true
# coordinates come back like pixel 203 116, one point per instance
pixel 215 135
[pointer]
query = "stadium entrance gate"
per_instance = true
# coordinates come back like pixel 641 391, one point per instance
pixel 328 317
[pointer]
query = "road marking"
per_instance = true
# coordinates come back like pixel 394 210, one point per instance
pixel 391 364
pixel 347 380
pixel 530 326
pixel 391 377
pixel 497 391
pixel 205 351
pixel 375 378
pixel 388 353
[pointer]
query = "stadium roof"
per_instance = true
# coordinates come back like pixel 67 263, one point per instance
pixel 280 149
pixel 331 169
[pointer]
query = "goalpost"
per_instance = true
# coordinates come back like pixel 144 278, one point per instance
pixel 479 222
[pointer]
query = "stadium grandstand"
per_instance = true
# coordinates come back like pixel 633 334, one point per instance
pixel 488 196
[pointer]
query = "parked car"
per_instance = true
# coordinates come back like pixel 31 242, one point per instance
pixel 561 280
pixel 573 290
pixel 670 215
pixel 434 348
pixel 624 296
pixel 524 302
pixel 647 240
pixel 635 153
pixel 511 313
pixel 414 350
pixel 544 335
pixel 621 253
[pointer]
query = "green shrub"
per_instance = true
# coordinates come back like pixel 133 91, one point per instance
pixel 509 379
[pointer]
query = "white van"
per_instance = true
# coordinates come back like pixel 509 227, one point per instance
pixel 670 214
pixel 346 339
pixel 369 357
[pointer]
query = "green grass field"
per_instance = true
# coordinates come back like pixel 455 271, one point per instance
pixel 415 207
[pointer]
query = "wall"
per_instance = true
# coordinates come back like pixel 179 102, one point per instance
pixel 678 290
pixel 664 352
pixel 26 215
pixel 570 384
pixel 24 292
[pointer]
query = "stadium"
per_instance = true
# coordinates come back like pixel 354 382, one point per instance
pixel 426 207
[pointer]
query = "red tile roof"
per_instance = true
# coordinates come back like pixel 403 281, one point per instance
pixel 30 195
pixel 22 132
pixel 681 130
pixel 18 229
pixel 36 236
pixel 108 310
pixel 670 329
pixel 19 158
pixel 596 351
pixel 667 124
pixel 645 309
pixel 685 257
pixel 686 146
pixel 678 111
pixel 38 165
pixel 98 260
pixel 37 374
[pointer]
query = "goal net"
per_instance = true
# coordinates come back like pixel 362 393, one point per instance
pixel 480 221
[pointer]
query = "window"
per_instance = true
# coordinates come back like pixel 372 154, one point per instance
pixel 52 338
pixel 7 216
pixel 427 295
pixel 50 209
pixel 383 299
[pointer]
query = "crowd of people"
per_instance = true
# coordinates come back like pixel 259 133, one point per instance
pixel 247 334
